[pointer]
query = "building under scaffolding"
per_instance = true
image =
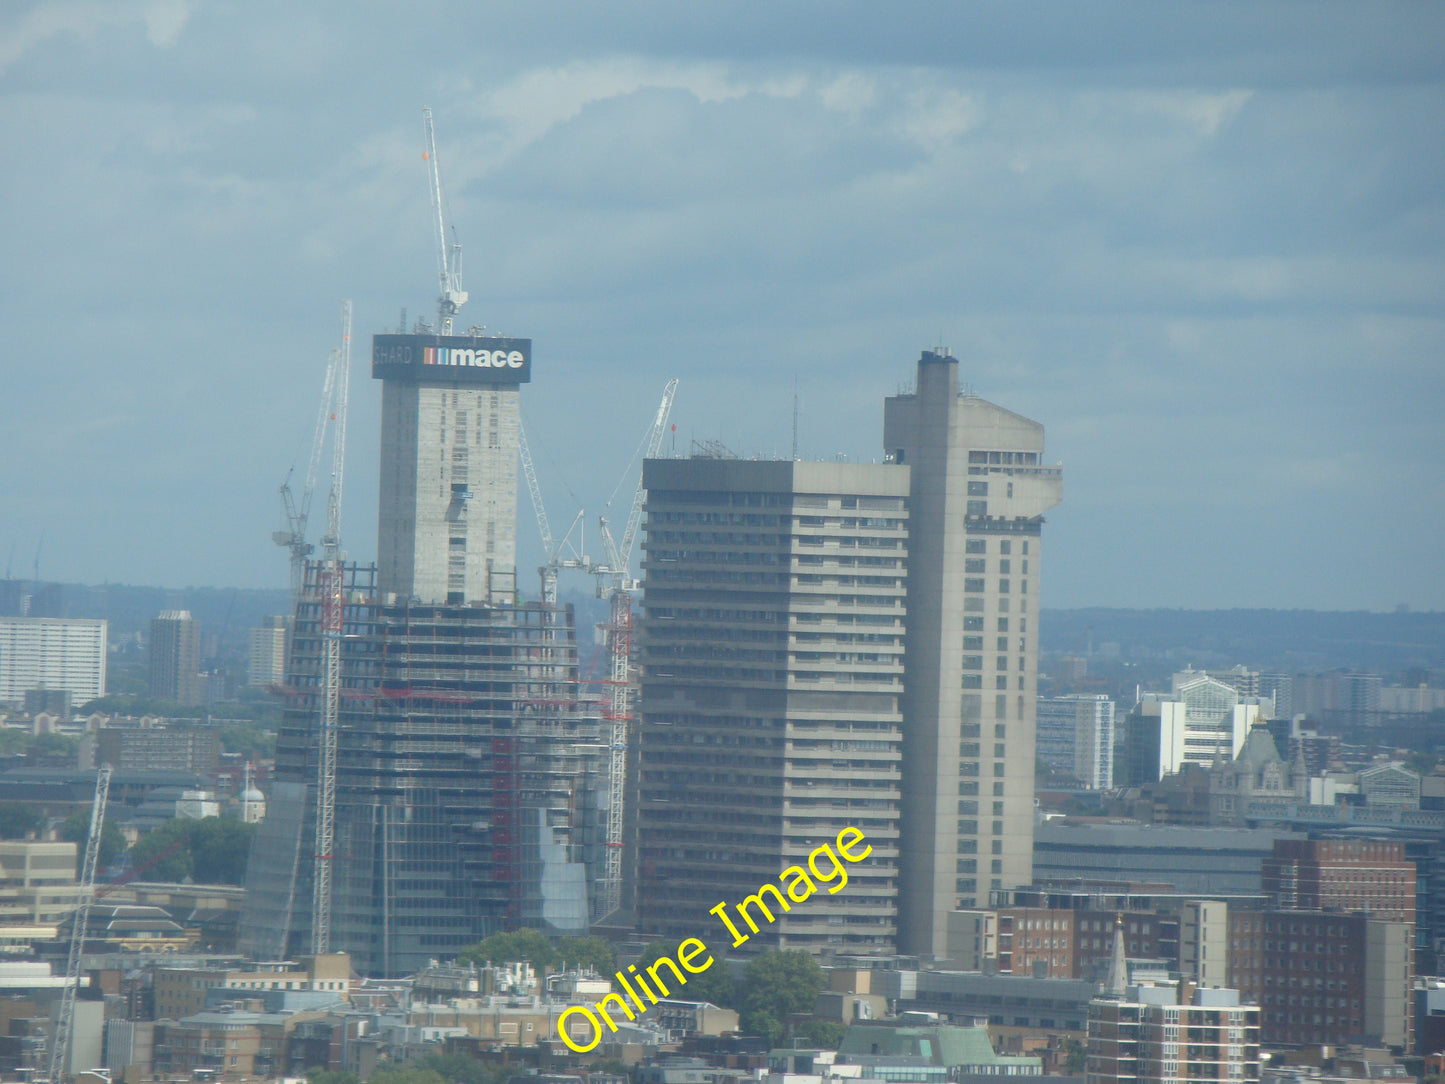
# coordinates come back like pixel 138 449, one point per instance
pixel 470 782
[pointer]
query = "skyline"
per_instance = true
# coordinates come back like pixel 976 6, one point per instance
pixel 1203 247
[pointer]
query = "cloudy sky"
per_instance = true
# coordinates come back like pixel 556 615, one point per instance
pixel 1204 244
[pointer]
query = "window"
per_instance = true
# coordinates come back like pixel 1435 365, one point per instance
pixel 975 545
pixel 976 508
pixel 974 564
pixel 1003 587
pixel 973 624
pixel 978 489
pixel 1002 644
pixel 974 586
pixel 1003 566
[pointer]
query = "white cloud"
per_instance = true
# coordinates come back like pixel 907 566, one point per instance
pixel 163 19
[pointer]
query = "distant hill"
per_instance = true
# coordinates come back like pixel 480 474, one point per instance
pixel 1293 640
pixel 1302 640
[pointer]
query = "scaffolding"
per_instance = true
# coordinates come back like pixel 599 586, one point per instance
pixel 466 762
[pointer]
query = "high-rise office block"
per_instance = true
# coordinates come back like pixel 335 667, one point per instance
pixel 447 523
pixel 772 675
pixel 175 658
pixel 1076 737
pixel 65 654
pixel 268 652
pixel 978 493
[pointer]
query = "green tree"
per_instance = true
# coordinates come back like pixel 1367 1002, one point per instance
pixel 505 948
pixel 13 740
pixel 713 985
pixel 774 985
pixel 251 742
pixel 317 1075
pixel 219 849
pixel 1076 1056
pixel 76 829
pixel 824 1034
pixel 406 1074
pixel 53 745
pixel 164 852
pixel 17 821
pixel 461 1069
pixel 591 952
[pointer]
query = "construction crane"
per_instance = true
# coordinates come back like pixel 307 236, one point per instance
pixel 297 512
pixel 65 1021
pixel 615 582
pixel 554 549
pixel 331 589
pixel 449 256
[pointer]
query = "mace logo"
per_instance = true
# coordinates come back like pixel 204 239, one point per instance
pixel 481 359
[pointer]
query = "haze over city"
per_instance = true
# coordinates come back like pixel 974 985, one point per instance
pixel 1201 244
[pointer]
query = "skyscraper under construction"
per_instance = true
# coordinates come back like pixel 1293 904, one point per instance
pixel 467 770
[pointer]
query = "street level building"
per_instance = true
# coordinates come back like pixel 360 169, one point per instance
pixel 978 493
pixel 772 644
pixel 62 654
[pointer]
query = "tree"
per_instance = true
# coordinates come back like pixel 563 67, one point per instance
pixel 530 945
pixel 318 1075
pixel 824 1034
pixel 76 829
pixel 713 985
pixel 774 985
pixel 461 1069
pixel 17 821
pixel 587 952
pixel 53 745
pixel 251 742
pixel 164 852
pixel 219 849
pixel 406 1074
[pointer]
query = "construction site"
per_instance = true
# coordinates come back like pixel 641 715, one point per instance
pixel 444 769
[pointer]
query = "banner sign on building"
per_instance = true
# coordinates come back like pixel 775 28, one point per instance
pixel 448 359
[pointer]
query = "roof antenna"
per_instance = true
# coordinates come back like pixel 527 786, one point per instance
pixel 795 418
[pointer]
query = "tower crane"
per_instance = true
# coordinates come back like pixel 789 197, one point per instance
pixel 65 1021
pixel 449 256
pixel 615 581
pixel 331 589
pixel 553 549
pixel 298 511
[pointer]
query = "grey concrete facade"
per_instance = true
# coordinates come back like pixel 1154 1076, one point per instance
pixel 978 495
pixel 772 673
pixel 447 522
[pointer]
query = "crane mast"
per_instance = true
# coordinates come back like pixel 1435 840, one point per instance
pixel 617 574
pixel 65 1021
pixel 449 255
pixel 331 589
